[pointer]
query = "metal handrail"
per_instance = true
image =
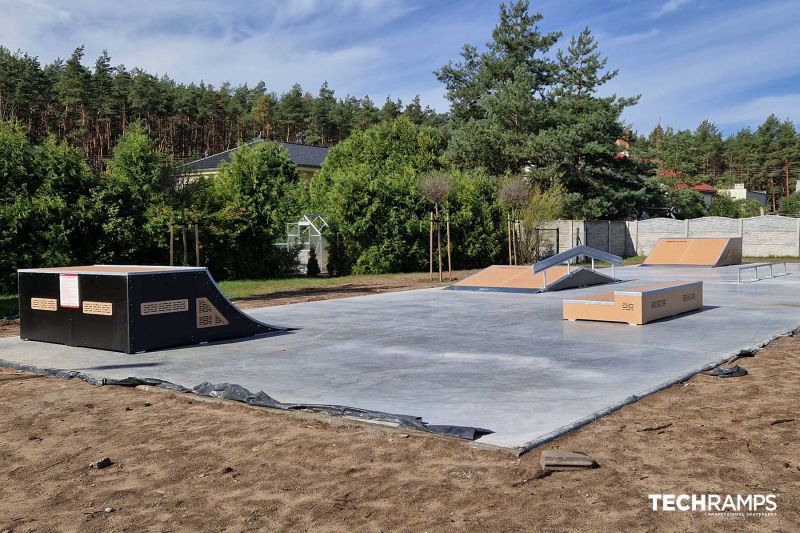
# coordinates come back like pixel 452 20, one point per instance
pixel 755 268
pixel 582 250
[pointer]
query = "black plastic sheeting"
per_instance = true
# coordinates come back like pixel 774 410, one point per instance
pixel 229 391
pixel 732 372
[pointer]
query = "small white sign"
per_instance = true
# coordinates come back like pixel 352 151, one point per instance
pixel 68 288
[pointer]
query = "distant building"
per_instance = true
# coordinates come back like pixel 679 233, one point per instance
pixel 739 192
pixel 308 159
pixel 624 148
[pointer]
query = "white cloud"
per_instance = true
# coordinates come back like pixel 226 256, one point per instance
pixel 695 69
pixel 670 7
pixel 305 41
pixel 630 38
pixel 756 110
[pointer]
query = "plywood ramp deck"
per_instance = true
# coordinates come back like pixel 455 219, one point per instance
pixel 696 252
pixel 512 278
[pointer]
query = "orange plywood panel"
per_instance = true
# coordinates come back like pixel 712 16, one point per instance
pixel 512 277
pixel 637 306
pixel 696 252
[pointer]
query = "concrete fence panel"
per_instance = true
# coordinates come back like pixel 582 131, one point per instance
pixel 770 235
pixel 711 227
pixel 649 231
pixel 764 236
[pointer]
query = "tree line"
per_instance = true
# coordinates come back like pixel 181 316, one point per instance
pixel 90 161
pixel 90 108
pixel 765 159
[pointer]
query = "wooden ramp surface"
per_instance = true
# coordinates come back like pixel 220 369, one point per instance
pixel 520 278
pixel 696 252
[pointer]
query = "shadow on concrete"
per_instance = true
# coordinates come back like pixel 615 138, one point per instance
pixel 684 315
pixel 127 365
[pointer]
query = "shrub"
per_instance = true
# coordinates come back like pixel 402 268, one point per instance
pixel 312 266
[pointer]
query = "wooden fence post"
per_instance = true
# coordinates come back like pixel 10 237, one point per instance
pixel 171 246
pixel 430 253
pixel 449 258
pixel 185 251
pixel 197 242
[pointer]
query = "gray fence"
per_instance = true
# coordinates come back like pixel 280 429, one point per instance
pixel 764 236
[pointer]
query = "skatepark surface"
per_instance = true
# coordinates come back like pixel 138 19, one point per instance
pixel 502 361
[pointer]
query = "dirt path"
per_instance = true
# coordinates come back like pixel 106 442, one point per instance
pixel 186 464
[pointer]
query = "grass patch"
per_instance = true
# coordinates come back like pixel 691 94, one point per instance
pixel 248 288
pixel 776 259
pixel 636 260
pixel 9 305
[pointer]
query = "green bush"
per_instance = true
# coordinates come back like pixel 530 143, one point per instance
pixel 723 206
pixel 790 205
pixel 249 203
pixel 312 266
pixel 368 189
pixel 748 208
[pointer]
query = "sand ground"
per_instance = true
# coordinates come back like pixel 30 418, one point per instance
pixel 182 463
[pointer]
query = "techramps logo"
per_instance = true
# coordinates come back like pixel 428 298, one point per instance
pixel 716 504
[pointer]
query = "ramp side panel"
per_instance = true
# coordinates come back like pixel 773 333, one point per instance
pixel 732 254
pixel 176 312
pixel 78 326
pixel 580 277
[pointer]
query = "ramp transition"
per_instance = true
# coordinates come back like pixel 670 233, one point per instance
pixel 696 252
pixel 128 308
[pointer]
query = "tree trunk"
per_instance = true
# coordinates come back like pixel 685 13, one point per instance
pixel 430 254
pixel 439 240
pixel 508 224
pixel 449 254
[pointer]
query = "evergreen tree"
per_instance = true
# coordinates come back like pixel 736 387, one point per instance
pixel 498 97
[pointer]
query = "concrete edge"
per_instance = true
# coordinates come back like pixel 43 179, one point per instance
pixel 748 351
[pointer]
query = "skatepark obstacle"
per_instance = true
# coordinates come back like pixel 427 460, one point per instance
pixel 696 252
pixel 128 308
pixel 551 274
pixel 637 306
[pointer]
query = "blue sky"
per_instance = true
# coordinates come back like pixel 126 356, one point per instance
pixel 733 62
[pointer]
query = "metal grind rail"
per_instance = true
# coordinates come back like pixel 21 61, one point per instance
pixel 755 268
pixel 578 251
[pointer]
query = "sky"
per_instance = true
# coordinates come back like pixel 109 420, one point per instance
pixel 730 61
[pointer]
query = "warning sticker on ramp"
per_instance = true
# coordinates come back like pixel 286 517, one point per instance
pixel 68 289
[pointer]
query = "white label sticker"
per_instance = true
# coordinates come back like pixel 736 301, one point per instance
pixel 68 287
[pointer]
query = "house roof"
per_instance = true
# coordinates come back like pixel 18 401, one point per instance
pixel 302 155
pixel 705 188
pixel 702 188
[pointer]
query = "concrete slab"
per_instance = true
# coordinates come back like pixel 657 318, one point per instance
pixel 506 362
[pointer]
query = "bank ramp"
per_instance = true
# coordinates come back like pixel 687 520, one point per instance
pixel 696 252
